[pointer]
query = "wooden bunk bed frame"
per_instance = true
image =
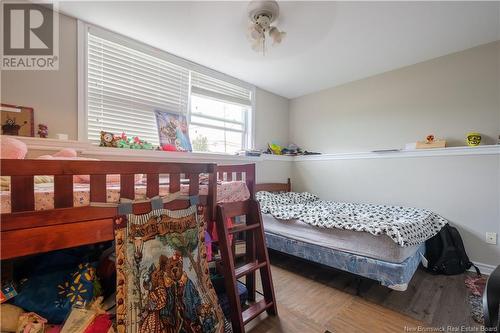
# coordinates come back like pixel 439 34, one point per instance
pixel 25 231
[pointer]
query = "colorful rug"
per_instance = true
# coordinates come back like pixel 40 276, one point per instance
pixel 475 285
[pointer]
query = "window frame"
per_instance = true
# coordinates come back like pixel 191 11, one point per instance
pixel 246 121
pixel 83 29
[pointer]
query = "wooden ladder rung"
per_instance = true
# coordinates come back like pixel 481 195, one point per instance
pixel 244 227
pixel 255 309
pixel 248 268
pixel 256 256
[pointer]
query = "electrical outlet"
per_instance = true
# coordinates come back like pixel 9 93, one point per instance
pixel 491 238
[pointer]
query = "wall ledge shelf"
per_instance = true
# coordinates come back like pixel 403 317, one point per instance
pixel 86 149
pixel 450 151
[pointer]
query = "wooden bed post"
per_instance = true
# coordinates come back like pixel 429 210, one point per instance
pixel 212 194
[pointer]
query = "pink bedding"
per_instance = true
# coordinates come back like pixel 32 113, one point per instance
pixel 44 194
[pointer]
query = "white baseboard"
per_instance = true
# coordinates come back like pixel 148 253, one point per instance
pixel 484 268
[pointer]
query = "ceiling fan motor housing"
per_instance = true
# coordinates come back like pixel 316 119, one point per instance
pixel 261 11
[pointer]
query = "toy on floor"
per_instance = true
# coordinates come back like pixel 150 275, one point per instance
pixel 8 291
pixel 10 317
pixel 31 323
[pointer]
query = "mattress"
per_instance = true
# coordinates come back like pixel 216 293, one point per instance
pixel 356 242
pixel 44 194
pixel 390 274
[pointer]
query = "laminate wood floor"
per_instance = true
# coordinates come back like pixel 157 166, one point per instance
pixel 314 298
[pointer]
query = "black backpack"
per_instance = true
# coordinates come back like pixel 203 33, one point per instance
pixel 446 254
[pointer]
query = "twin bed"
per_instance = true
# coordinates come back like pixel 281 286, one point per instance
pixel 378 257
pixel 65 214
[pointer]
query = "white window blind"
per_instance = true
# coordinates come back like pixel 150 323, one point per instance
pixel 126 81
pixel 125 86
pixel 219 89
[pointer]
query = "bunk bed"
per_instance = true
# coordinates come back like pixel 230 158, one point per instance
pixel 26 231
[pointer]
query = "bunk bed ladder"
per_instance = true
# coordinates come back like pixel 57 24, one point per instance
pixel 256 258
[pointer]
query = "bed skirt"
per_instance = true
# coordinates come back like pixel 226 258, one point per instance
pixel 392 275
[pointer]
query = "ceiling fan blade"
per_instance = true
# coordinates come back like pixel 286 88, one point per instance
pixel 254 31
pixel 276 35
pixel 258 45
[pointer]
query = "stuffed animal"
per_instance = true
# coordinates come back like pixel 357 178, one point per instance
pixel 108 139
pixel 13 148
pixel 10 317
pixel 31 323
pixel 43 130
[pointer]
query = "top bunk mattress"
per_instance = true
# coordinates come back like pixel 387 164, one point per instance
pixel 227 191
pixel 361 243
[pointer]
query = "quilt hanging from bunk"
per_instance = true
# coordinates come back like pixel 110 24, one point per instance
pixel 406 226
pixel 163 283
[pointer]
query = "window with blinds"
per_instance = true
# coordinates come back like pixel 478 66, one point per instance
pixel 219 115
pixel 124 87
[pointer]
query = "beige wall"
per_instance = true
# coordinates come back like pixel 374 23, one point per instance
pixel 462 189
pixel 448 96
pixel 271 119
pixel 52 94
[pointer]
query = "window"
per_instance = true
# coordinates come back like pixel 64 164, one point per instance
pixel 219 115
pixel 124 82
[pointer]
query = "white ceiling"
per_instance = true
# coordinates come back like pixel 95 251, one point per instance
pixel 328 43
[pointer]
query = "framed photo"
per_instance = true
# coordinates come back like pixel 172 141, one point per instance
pixel 17 120
pixel 173 131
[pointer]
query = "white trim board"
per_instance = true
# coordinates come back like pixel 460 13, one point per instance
pixel 484 268
pixel 89 149
pixel 163 156
pixel 451 151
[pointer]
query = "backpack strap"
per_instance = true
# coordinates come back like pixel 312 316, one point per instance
pixel 478 272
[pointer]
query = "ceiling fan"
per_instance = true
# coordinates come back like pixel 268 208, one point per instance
pixel 262 13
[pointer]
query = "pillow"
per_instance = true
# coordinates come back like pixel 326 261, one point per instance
pixel 11 148
pixel 161 262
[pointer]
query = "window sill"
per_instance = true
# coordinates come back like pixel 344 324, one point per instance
pixel 86 149
pixel 169 156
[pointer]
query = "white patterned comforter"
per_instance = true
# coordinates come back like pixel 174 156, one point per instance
pixel 404 225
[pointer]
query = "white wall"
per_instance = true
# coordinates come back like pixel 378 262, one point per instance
pixel 447 96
